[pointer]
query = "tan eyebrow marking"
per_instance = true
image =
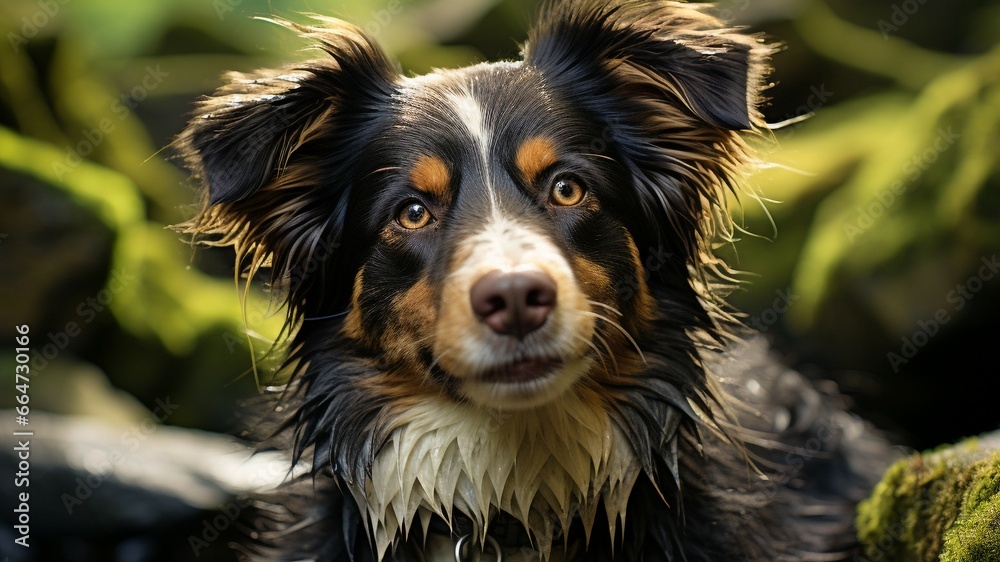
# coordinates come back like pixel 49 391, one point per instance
pixel 430 175
pixel 534 156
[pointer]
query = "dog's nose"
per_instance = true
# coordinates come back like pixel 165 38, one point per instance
pixel 514 304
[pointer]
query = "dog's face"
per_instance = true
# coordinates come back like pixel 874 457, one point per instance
pixel 494 226
pixel 497 234
pixel 529 235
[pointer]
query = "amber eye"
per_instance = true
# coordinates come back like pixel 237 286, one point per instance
pixel 567 192
pixel 414 215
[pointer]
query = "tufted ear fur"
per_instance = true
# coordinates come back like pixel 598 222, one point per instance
pixel 275 152
pixel 666 50
pixel 672 88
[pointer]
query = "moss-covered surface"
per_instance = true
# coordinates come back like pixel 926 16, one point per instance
pixel 939 505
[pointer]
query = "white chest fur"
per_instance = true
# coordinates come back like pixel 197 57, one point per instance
pixel 543 466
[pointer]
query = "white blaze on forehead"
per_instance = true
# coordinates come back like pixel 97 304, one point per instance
pixel 470 114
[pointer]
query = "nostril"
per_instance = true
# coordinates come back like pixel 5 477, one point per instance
pixel 515 303
pixel 495 304
pixel 541 297
pixel 488 296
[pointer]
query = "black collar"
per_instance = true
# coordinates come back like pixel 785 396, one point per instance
pixel 507 531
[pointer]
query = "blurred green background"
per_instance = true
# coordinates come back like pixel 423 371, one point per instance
pixel 875 272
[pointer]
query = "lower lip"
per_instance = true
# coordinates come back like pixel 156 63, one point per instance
pixel 521 371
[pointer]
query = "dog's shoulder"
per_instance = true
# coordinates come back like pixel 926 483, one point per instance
pixel 785 486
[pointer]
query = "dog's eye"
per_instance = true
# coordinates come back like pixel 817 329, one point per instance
pixel 414 215
pixel 567 192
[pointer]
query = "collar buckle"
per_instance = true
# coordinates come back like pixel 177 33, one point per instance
pixel 472 556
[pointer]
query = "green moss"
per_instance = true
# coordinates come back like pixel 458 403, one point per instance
pixel 940 503
pixel 975 536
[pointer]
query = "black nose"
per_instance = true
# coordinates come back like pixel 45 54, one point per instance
pixel 514 304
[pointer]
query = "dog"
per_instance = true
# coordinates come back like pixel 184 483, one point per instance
pixel 507 333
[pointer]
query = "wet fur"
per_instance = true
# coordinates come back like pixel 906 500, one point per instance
pixel 728 456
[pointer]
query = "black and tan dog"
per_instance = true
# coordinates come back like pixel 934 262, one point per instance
pixel 508 339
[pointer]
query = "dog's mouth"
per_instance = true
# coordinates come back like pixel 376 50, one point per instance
pixel 521 371
pixel 524 383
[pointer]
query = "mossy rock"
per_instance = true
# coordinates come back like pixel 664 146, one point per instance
pixel 941 505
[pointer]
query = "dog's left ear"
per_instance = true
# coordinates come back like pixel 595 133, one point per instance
pixel 670 88
pixel 657 49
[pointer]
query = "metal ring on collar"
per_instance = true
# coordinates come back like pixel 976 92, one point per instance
pixel 489 540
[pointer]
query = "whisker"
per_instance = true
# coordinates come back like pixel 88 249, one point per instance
pixel 383 170
pixel 611 352
pixel 606 306
pixel 338 315
pixel 594 347
pixel 621 329
pixel 437 359
pixel 593 155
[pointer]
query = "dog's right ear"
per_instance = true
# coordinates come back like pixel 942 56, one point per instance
pixel 274 151
pixel 246 133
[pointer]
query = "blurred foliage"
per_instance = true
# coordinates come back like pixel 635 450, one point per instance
pixel 91 92
pixel 887 205
pixel 926 183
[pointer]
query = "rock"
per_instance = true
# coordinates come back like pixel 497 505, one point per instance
pixel 938 505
